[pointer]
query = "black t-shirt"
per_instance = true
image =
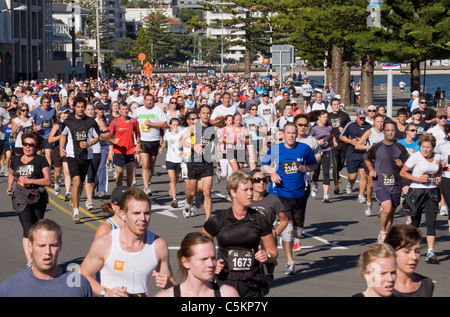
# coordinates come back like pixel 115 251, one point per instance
pixel 78 130
pixel 270 206
pixel 32 169
pixel 354 131
pixel 234 234
pixel 337 120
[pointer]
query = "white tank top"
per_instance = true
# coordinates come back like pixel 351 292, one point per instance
pixel 130 269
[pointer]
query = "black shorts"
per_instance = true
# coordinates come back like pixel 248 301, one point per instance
pixel 173 166
pixel 123 159
pixel 150 147
pixel 383 195
pixel 295 209
pixel 199 171
pixel 78 167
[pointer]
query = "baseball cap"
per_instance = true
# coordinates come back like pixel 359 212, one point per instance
pixel 337 96
pixel 371 107
pixel 265 94
pixel 361 112
pixel 63 110
pixel 441 113
pixel 242 105
pixel 117 193
pixel 415 93
pixel 417 110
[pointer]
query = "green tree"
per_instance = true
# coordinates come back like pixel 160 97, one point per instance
pixel 142 46
pixel 244 20
pixel 160 38
pixel 325 31
pixel 413 31
pixel 124 48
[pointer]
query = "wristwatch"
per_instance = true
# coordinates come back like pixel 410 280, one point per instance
pixel 103 292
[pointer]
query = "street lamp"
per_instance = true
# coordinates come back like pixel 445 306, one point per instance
pixel 270 50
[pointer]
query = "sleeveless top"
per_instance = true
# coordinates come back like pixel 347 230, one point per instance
pixel 130 269
pixel 112 223
pixel 204 136
pixel 375 137
pixel 216 287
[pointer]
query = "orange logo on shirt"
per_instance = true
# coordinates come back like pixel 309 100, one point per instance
pixel 118 265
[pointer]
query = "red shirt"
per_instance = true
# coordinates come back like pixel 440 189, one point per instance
pixel 126 133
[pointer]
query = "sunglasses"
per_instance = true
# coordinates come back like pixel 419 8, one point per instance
pixel 423 102
pixel 371 111
pixel 442 117
pixel 28 144
pixel 301 125
pixel 257 180
pixel 25 109
pixel 412 130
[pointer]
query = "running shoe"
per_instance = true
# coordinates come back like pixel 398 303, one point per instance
pixel 368 209
pixel 76 217
pixel 349 188
pixel 443 211
pixel 314 191
pixel 408 221
pixel 193 212
pixel 174 203
pixel 187 211
pixel 431 257
pixel 326 199
pixel 361 199
pixel 381 236
pixel 297 245
pixel 148 191
pixel 56 189
pixel 290 268
pixel 68 196
pixel 89 205
pixel 336 190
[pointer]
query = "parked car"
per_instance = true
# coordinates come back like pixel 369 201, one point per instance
pixel 298 85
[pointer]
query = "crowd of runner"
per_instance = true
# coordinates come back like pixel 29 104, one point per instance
pixel 211 129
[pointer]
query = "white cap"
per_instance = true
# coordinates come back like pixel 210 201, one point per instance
pixel 371 107
pixel 337 97
pixel 415 93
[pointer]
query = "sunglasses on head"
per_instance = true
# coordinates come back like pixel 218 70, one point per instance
pixel 257 180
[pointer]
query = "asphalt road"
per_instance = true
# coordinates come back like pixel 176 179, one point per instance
pixel 335 235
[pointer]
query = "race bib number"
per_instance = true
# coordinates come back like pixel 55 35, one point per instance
pixel 145 128
pixel 240 260
pixel 81 135
pixel 290 167
pixel 144 117
pixel 267 112
pixel 28 129
pixel 25 171
pixel 11 139
pixel 431 179
pixel 388 180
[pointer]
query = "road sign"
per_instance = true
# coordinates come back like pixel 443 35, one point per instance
pixel 141 57
pixel 148 68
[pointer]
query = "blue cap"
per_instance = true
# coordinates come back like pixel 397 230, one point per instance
pixel 361 112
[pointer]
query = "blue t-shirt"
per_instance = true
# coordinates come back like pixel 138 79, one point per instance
pixel 45 119
pixel 26 284
pixel 411 148
pixel 286 162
